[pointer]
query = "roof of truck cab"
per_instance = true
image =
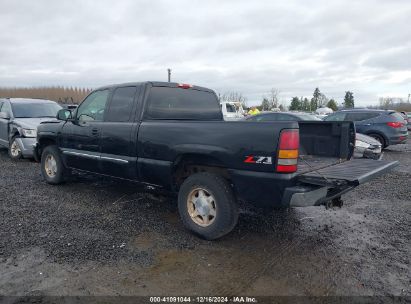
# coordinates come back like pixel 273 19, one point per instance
pixel 154 84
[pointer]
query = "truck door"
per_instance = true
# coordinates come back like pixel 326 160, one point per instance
pixel 4 124
pixel 80 138
pixel 119 134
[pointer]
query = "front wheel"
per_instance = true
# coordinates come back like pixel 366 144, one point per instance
pixel 52 167
pixel 14 149
pixel 207 205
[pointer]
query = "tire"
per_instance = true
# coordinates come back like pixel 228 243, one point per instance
pixel 52 167
pixel 379 138
pixel 210 201
pixel 14 149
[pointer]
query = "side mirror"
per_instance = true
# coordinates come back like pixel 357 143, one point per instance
pixel 4 115
pixel 63 114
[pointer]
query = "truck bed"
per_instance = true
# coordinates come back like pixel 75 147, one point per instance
pixel 308 163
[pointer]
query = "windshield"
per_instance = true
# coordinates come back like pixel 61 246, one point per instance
pixel 34 110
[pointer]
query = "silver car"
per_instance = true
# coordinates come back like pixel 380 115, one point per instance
pixel 367 147
pixel 19 118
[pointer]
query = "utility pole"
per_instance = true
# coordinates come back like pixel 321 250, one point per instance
pixel 169 75
pixel 409 98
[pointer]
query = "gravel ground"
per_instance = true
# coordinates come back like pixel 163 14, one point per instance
pixel 95 236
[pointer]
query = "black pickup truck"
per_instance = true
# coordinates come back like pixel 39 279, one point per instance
pixel 173 136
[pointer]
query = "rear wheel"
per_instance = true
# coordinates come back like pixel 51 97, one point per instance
pixel 14 149
pixel 379 138
pixel 207 205
pixel 52 167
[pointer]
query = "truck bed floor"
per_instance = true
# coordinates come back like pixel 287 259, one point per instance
pixel 308 163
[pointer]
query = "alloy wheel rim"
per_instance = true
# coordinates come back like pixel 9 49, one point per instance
pixel 201 207
pixel 50 165
pixel 15 149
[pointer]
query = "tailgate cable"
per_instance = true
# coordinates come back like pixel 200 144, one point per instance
pixel 313 169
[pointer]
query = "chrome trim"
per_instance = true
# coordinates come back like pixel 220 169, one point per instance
pixel 95 156
pixel 80 154
pixel 115 159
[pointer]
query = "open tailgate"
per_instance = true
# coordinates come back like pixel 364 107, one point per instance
pixel 353 172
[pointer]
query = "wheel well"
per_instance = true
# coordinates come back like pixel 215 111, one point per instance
pixel 186 165
pixel 379 134
pixel 14 132
pixel 44 143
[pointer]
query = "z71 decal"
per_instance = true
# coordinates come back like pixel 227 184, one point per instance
pixel 265 160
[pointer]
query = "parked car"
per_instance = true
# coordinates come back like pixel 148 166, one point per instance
pixel 365 146
pixel 19 118
pixel 407 118
pixel 173 137
pixel 388 127
pixel 283 116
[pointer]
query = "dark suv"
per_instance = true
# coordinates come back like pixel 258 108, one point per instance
pixel 388 127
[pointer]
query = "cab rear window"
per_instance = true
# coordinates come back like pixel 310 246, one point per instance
pixel 178 103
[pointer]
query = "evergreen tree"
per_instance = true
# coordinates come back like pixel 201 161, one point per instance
pixel 305 104
pixel 315 100
pixel 295 104
pixel 332 104
pixel 349 100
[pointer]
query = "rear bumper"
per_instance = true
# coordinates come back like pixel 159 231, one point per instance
pixel 308 195
pixel 26 146
pixel 400 139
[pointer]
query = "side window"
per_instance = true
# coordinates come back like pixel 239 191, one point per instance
pixel 230 108
pixel 360 116
pixel 121 104
pixel 93 107
pixel 335 117
pixel 6 108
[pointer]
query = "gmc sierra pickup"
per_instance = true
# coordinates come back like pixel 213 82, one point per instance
pixel 173 136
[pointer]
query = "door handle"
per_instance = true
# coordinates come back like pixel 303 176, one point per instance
pixel 94 132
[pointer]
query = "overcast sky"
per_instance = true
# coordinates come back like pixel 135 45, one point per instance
pixel 245 46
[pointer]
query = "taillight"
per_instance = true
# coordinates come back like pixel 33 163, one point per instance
pixel 395 124
pixel 288 151
pixel 185 86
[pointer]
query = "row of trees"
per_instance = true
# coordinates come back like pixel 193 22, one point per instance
pixel 320 100
pixel 395 103
pixel 272 101
pixel 58 93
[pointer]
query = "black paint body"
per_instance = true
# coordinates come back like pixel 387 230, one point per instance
pixel 150 150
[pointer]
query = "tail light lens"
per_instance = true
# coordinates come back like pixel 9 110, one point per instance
pixel 395 124
pixel 288 151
